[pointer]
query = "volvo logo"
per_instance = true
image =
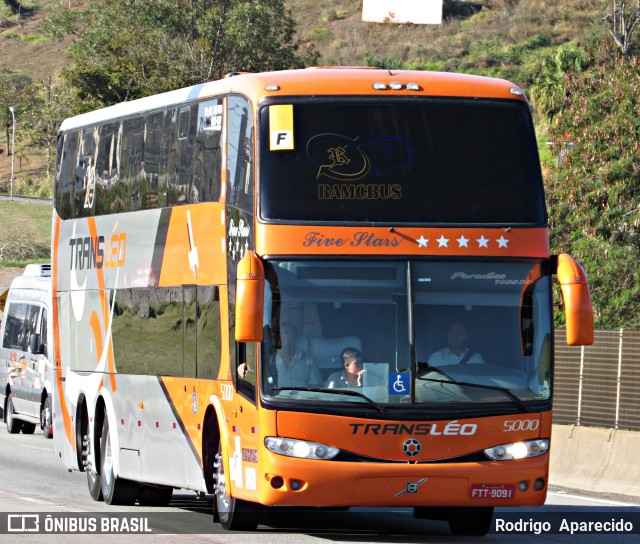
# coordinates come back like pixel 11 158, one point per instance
pixel 411 447
pixel 411 487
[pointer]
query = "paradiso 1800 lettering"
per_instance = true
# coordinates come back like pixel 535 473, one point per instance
pixel 453 428
pixel 99 252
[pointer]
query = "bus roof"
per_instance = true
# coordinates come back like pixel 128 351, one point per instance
pixel 321 81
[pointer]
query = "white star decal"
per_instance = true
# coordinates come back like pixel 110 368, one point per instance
pixel 463 242
pixel 502 241
pixel 482 241
pixel 422 241
pixel 442 241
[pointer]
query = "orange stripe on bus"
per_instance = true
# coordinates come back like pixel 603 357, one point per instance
pixel 94 322
pixel 66 418
pixel 93 231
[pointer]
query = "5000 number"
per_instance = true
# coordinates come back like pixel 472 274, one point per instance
pixel 521 425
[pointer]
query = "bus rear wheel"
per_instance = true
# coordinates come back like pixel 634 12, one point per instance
pixel 233 514
pixel 95 486
pixel 114 490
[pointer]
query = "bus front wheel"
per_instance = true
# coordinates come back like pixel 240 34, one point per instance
pixel 45 418
pixel 233 514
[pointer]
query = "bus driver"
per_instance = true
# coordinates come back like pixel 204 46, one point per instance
pixel 456 352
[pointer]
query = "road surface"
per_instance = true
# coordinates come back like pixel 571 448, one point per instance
pixel 33 482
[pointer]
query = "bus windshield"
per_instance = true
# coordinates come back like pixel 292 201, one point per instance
pixel 428 161
pixel 416 332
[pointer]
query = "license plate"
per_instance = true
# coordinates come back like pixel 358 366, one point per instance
pixel 492 491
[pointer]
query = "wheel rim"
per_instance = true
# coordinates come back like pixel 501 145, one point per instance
pixel 107 463
pixel 220 486
pixel 45 417
pixel 9 413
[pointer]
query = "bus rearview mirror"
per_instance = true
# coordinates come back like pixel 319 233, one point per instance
pixel 577 301
pixel 249 298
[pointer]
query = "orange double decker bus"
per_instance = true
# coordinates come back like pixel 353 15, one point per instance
pixel 324 287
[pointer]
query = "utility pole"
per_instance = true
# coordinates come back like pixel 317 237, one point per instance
pixel 13 145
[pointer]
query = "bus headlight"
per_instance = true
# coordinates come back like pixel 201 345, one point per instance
pixel 518 450
pixel 299 448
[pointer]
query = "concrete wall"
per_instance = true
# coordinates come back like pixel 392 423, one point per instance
pixel 596 460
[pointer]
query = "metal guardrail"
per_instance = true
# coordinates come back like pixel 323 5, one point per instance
pixel 598 385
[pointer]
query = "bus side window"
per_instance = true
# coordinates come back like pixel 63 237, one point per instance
pixel 240 153
pixel 155 159
pixel 106 180
pixel 246 355
pixel 209 333
pixel 207 168
pixel 85 170
pixel 65 172
pixel 132 160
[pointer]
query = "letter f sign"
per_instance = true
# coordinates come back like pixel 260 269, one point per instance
pixel 281 139
pixel 280 127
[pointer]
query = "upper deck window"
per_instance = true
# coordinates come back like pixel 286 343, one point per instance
pixel 400 161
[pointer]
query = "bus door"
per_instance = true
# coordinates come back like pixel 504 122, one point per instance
pixel 243 443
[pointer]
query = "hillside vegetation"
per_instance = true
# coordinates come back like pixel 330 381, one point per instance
pixel 582 81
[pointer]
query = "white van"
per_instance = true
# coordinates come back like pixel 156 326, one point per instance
pixel 26 370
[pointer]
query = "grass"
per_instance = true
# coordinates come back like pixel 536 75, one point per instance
pixel 25 233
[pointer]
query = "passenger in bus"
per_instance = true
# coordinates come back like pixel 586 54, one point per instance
pixel 294 366
pixel 456 352
pixel 351 375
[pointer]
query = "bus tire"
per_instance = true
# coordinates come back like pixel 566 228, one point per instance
pixel 45 418
pixel 471 521
pixel 233 514
pixel 13 425
pixel 95 486
pixel 114 490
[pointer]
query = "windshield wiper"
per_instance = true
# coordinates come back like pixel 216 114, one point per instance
pixel 518 401
pixel 347 392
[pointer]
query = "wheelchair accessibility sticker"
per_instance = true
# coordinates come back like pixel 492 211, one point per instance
pixel 399 383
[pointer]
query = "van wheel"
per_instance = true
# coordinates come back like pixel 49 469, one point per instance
pixel 233 514
pixel 114 490
pixel 45 418
pixel 13 425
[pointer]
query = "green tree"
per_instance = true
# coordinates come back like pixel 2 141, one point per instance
pixel 132 48
pixel 549 88
pixel 594 194
pixel 52 102
pixel 15 91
